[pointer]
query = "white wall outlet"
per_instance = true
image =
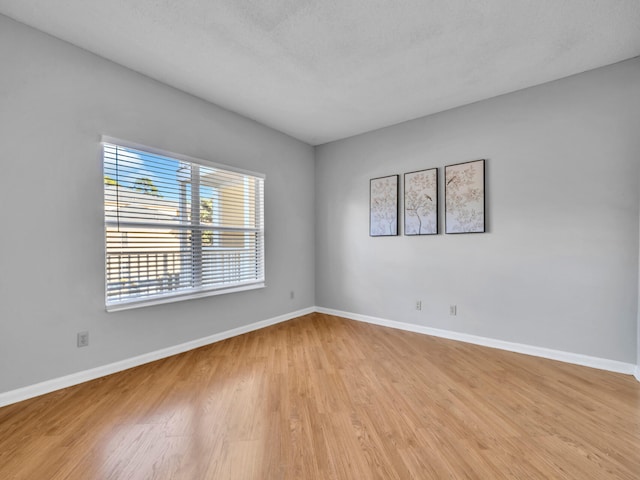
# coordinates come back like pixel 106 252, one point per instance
pixel 453 310
pixel 418 304
pixel 83 339
pixel 292 294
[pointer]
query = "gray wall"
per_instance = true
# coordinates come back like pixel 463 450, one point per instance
pixel 55 102
pixel 558 267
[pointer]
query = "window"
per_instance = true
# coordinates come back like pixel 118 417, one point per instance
pixel 177 227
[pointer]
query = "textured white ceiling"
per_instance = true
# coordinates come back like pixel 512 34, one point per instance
pixel 328 69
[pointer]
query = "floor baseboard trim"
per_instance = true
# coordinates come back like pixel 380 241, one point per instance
pixel 48 386
pixel 567 357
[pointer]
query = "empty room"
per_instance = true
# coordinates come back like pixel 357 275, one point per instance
pixel 319 240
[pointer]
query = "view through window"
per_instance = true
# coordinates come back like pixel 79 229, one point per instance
pixel 178 228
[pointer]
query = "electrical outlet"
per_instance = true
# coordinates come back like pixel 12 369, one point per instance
pixel 453 310
pixel 418 304
pixel 292 295
pixel 83 339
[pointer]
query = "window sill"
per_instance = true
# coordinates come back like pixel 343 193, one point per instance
pixel 178 297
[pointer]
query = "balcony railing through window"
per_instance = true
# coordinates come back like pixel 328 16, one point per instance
pixel 131 274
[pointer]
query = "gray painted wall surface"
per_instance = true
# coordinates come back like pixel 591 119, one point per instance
pixel 558 267
pixel 55 102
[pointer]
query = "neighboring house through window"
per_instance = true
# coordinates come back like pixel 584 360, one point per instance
pixel 178 227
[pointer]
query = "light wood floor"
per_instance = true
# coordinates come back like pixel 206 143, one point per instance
pixel 321 397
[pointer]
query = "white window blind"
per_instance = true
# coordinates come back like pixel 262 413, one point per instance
pixel 177 227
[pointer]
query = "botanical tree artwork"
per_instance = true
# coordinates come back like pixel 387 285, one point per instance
pixel 421 202
pixel 464 197
pixel 383 208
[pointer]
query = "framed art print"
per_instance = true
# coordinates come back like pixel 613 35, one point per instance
pixel 464 197
pixel 421 202
pixel 383 206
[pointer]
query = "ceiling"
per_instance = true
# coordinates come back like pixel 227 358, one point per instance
pixel 321 70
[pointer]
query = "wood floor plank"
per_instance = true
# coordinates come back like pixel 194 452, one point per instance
pixel 321 397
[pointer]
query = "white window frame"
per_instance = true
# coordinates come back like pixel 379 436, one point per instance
pixel 190 293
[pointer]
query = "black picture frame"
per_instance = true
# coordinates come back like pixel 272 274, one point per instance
pixel 420 205
pixel 384 193
pixel 465 197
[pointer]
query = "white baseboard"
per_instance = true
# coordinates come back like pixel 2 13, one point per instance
pixel 575 358
pixel 48 386
pixel 52 385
